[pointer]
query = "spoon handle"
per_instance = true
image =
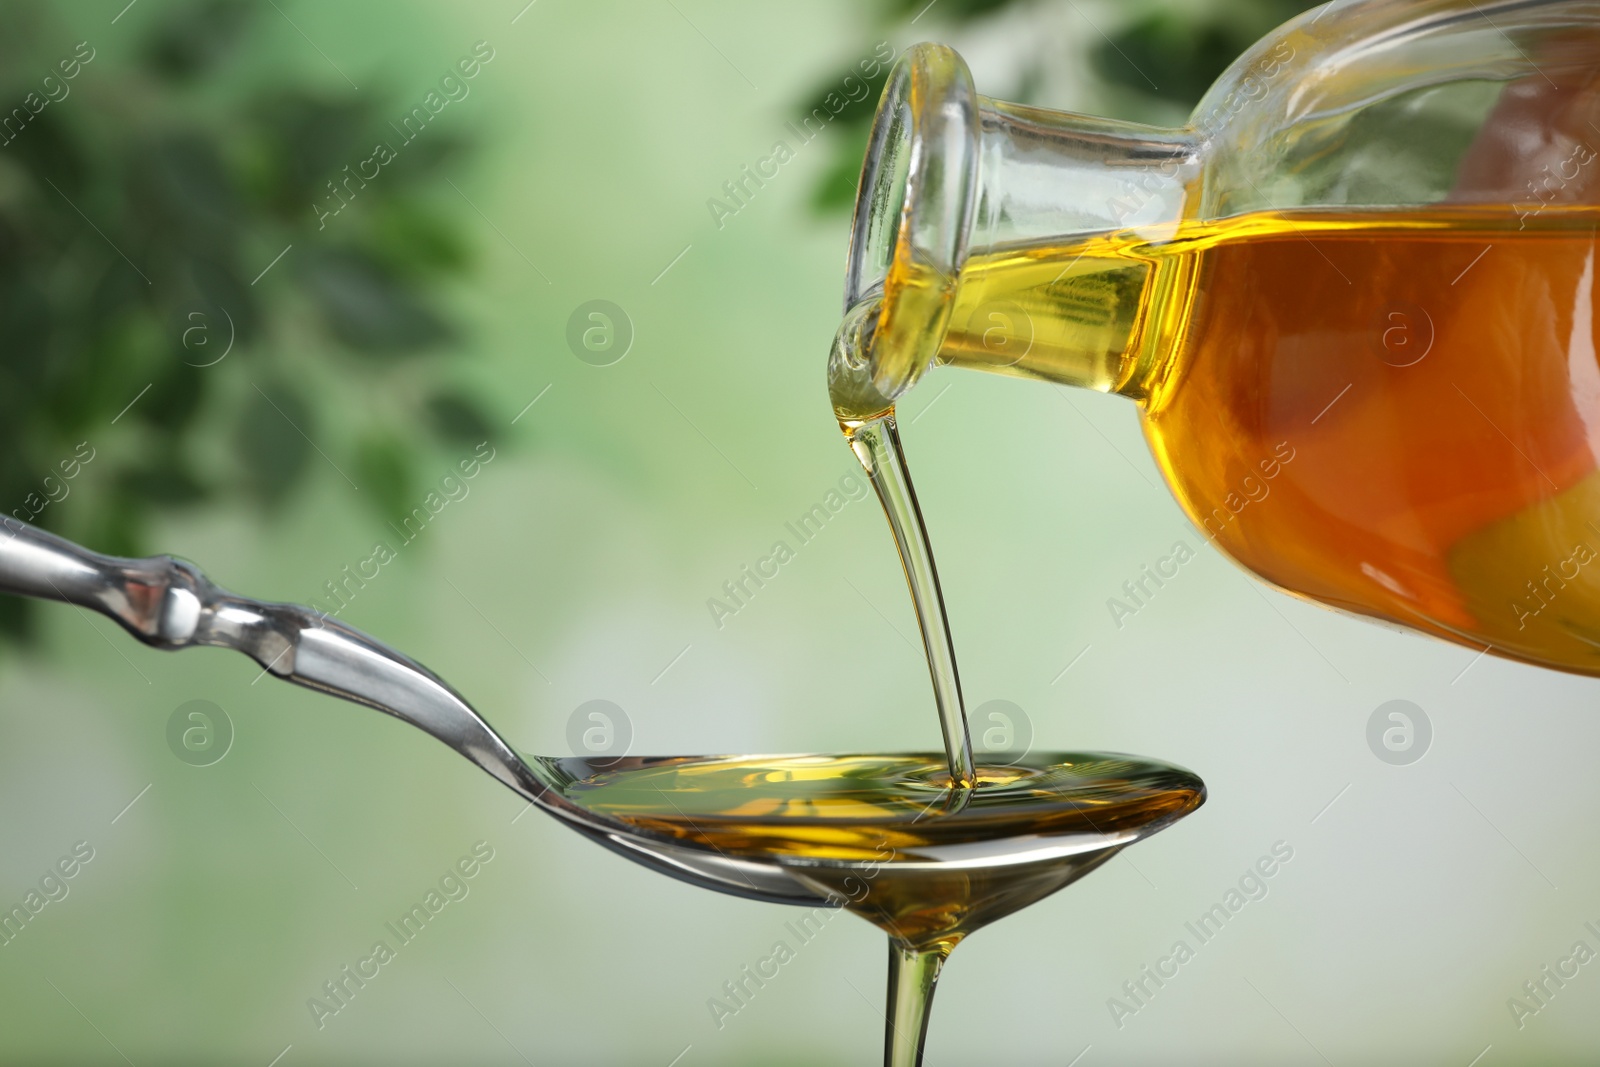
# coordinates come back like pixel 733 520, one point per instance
pixel 168 604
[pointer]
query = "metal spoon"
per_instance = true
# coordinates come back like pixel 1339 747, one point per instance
pixel 168 604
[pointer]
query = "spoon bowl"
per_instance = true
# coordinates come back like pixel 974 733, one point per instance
pixel 889 836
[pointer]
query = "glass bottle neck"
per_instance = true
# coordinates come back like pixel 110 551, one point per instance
pixel 997 237
pixel 1052 176
pixel 1053 286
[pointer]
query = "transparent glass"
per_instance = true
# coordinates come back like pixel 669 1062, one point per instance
pixel 1353 299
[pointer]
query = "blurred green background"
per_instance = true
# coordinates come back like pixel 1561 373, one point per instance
pixel 162 209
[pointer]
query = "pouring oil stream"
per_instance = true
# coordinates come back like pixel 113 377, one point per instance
pixel 875 440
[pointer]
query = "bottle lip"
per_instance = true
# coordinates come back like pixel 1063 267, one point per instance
pixel 914 204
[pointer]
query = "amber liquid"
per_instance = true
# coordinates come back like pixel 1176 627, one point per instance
pixel 1395 413
pixel 893 838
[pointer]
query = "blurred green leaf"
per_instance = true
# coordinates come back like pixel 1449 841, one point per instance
pixel 51 150
pixel 174 400
pixel 1178 55
pixel 118 526
pixel 167 481
pixel 186 195
pixel 857 110
pixel 458 419
pixel 418 161
pixel 417 237
pixel 303 140
pixel 956 9
pixel 17 619
pixel 1168 56
pixel 367 307
pixel 194 40
pixel 384 469
pixel 273 440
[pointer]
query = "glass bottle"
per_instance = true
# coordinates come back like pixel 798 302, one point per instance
pixel 1353 299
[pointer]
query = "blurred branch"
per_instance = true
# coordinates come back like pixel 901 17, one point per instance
pixel 142 203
